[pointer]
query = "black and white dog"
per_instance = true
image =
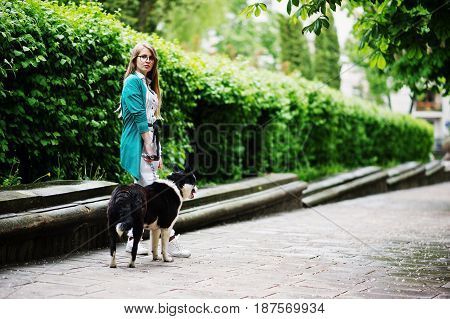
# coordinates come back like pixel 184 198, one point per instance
pixel 154 207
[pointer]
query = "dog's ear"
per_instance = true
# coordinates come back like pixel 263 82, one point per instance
pixel 177 169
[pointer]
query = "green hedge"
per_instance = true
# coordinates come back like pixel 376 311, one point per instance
pixel 61 71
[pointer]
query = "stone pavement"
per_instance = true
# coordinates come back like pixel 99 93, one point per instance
pixel 392 245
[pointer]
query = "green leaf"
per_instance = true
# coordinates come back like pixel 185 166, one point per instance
pixel 304 13
pixel 32 101
pixel 325 23
pixel 373 61
pixel 418 53
pixel 26 49
pixel 289 7
pixel 296 2
pixel 381 62
pixel 263 7
pixel 59 36
pixel 257 11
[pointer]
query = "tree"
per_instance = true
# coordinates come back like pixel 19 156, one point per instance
pixel 295 53
pixel 327 67
pixel 184 20
pixel 408 37
pixel 377 79
pixel 190 20
pixel 249 39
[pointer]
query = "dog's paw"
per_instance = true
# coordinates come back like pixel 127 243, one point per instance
pixel 168 259
pixel 157 258
pixel 112 265
pixel 131 265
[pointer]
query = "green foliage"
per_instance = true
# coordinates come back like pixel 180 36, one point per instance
pixel 327 67
pixel 294 48
pixel 308 174
pixel 408 38
pixel 13 178
pixel 61 71
pixel 377 79
pixel 241 38
pixel 186 21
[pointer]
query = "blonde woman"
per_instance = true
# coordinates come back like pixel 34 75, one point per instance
pixel 140 153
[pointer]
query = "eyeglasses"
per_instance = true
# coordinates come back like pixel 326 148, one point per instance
pixel 147 58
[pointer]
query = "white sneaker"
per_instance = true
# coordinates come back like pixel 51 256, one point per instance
pixel 176 250
pixel 142 247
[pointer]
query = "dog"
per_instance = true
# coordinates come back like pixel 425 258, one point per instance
pixel 154 207
pixel 126 209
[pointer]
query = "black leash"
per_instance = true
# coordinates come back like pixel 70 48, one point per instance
pixel 155 140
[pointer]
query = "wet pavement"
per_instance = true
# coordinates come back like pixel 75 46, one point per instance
pixel 392 245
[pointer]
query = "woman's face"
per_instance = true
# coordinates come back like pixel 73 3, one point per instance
pixel 145 61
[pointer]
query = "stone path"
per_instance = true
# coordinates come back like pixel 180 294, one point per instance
pixel 393 245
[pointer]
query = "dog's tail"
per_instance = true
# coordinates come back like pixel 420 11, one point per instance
pixel 124 210
pixel 121 228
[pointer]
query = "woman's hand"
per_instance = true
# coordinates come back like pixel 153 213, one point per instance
pixel 148 149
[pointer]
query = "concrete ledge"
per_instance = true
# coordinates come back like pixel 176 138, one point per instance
pixel 371 184
pixel 408 175
pixel 446 165
pixel 27 236
pixel 52 194
pixel 242 188
pixel 339 179
pixel 435 172
pixel 282 198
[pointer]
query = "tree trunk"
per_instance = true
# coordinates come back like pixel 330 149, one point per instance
pixel 413 97
pixel 145 7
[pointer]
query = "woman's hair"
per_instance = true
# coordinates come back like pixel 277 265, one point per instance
pixel 152 75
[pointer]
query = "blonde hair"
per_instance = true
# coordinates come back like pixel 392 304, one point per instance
pixel 152 76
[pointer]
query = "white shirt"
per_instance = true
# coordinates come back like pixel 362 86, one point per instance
pixel 151 100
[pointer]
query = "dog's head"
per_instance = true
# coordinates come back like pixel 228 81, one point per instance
pixel 185 179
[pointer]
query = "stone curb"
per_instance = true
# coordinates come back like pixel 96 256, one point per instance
pixel 284 197
pixel 227 191
pixel 436 172
pixel 406 177
pixel 340 179
pixel 371 184
pixel 15 201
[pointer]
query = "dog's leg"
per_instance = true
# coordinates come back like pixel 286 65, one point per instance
pixel 112 245
pixel 165 235
pixel 137 233
pixel 155 240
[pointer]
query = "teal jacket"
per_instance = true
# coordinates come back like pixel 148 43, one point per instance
pixel 134 124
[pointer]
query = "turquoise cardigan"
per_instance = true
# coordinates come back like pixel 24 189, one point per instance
pixel 134 124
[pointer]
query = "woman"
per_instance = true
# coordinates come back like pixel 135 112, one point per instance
pixel 139 146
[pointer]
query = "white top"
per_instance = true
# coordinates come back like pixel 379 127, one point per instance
pixel 151 101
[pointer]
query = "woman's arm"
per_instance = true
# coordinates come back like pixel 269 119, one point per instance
pixel 132 98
